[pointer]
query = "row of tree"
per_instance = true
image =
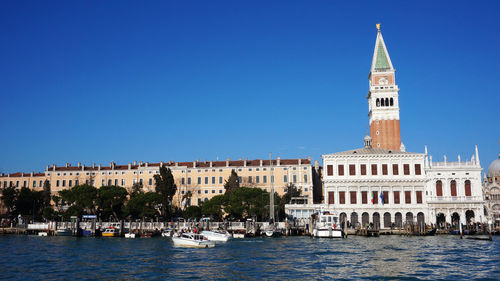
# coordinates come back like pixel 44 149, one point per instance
pixel 115 202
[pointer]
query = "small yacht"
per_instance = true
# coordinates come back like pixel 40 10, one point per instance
pixel 168 233
pixel 217 235
pixel 189 239
pixel 64 232
pixel 111 232
pixel 328 226
pixel 271 231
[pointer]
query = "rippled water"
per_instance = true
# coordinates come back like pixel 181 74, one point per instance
pixel 388 257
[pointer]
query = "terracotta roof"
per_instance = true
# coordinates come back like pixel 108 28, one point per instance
pixel 13 175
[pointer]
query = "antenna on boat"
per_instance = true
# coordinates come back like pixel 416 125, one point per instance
pixel 271 195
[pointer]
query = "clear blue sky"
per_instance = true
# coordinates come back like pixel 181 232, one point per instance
pixel 101 81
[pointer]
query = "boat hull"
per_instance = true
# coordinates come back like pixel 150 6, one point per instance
pixel 328 233
pixel 64 232
pixel 107 234
pixel 216 237
pixel 180 242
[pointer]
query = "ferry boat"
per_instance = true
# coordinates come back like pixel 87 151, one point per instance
pixel 217 235
pixel 328 226
pixel 111 232
pixel 190 239
pixel 64 232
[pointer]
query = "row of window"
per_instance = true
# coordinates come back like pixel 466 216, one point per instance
pixel 374 169
pixel 453 188
pixel 375 197
pixel 25 184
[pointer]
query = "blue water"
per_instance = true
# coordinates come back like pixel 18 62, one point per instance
pixel 387 257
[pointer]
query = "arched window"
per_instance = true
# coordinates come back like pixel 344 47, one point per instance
pixel 453 186
pixel 467 188
pixel 386 102
pixel 383 104
pixel 439 188
pixel 378 102
pixel 392 102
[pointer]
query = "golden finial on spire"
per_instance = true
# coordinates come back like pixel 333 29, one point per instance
pixel 378 26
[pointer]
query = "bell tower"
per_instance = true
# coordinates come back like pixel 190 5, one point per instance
pixel 383 99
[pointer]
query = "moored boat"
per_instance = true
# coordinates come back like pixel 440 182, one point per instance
pixel 64 232
pixel 168 233
pixel 111 232
pixel 130 235
pixel 217 235
pixel 239 234
pixel 327 226
pixel 42 233
pixel 190 239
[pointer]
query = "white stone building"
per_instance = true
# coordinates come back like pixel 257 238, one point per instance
pixel 492 192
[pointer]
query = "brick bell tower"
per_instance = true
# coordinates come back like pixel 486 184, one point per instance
pixel 383 99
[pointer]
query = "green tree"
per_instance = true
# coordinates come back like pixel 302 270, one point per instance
pixel 214 207
pixel 143 205
pixel 29 202
pixel 46 193
pixel 136 189
pixel 9 195
pixel 245 202
pixel 186 198
pixel 82 198
pixel 111 200
pixel 192 212
pixel 291 191
pixel 166 187
pixel 231 183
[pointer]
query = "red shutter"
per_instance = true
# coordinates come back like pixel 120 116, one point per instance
pixel 329 169
pixel 439 188
pixel 406 169
pixel 352 170
pixel 386 197
pixel 395 170
pixel 467 188
pixel 374 169
pixel 331 198
pixel 419 197
pixel 353 197
pixel 408 197
pixel 417 169
pixel 396 197
pixel 363 169
pixel 342 197
pixel 384 169
pixel 364 197
pixel 341 170
pixel 375 197
pixel 453 188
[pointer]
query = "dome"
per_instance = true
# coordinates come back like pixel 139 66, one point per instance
pixel 494 168
pixel 368 141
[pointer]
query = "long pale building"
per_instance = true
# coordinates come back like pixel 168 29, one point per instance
pixel 204 179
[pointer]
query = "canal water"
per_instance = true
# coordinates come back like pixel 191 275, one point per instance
pixel 387 257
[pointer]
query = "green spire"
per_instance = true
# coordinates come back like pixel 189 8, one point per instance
pixel 381 61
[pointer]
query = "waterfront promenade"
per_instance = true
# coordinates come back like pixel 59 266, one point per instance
pixel 389 257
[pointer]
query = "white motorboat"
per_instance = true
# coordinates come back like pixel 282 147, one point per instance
pixel 64 232
pixel 168 233
pixel 239 234
pixel 328 226
pixel 190 239
pixel 271 231
pixel 130 235
pixel 217 235
pixel 42 233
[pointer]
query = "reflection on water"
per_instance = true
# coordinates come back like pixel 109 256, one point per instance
pixel 440 257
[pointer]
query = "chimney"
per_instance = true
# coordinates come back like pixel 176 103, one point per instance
pixel 99 167
pixel 316 165
pixel 261 162
pixel 227 162
pixel 135 163
pixel 31 174
pixel 194 164
pixel 47 168
pixel 83 167
pixel 300 161
pixel 140 163
pixel 93 165
pixel 53 167
pixel 147 164
pixel 112 165
pixel 278 159
pixel 129 166
pixel 79 164
pixel 176 164
pixel 245 162
pixel 211 164
pixel 3 174
pixel 67 165
pixel 161 164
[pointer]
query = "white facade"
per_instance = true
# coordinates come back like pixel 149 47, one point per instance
pixel 455 192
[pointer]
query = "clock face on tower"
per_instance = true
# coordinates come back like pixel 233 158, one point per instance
pixel 383 81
